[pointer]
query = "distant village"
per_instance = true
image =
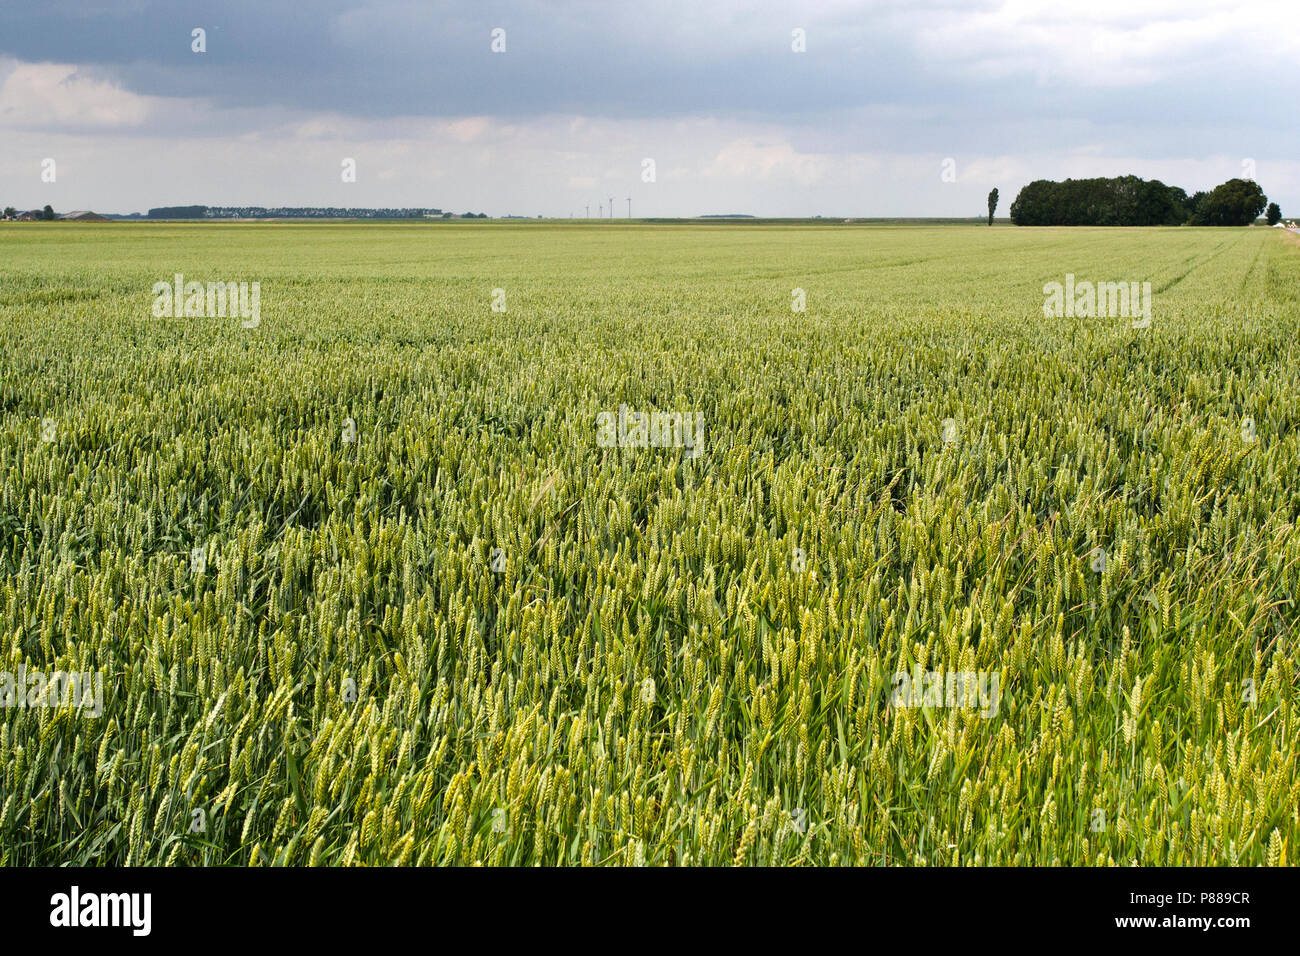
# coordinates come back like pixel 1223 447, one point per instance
pixel 47 214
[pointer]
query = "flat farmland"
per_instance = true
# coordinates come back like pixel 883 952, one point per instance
pixel 582 544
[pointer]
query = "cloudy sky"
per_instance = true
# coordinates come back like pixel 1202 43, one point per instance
pixel 884 99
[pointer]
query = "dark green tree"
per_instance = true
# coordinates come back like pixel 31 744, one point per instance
pixel 993 203
pixel 1130 201
pixel 178 212
pixel 1238 202
pixel 1274 214
pixel 1122 201
pixel 10 212
pixel 47 213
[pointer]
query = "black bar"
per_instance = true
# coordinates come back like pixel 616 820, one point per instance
pixel 255 907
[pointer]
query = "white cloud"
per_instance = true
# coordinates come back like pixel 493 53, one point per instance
pixel 469 129
pixel 756 161
pixel 55 95
pixel 1105 43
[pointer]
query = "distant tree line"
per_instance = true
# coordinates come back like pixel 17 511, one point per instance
pixel 287 212
pixel 1130 201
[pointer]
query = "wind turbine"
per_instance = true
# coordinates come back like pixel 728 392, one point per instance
pixel 629 207
pixel 611 207
pixel 588 210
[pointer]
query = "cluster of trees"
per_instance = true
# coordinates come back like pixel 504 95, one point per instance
pixel 1130 201
pixel 47 213
pixel 1238 202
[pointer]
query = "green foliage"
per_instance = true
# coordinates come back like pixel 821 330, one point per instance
pixel 1238 202
pixel 993 203
pixel 1130 201
pixel 1124 201
pixel 1274 214
pixel 655 675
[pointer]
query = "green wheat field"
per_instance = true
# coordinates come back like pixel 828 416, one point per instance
pixel 364 588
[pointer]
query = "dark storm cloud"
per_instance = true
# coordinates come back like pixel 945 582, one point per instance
pixel 974 88
pixel 411 59
pixel 993 84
